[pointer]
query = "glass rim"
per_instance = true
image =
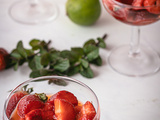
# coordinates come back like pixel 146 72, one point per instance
pixel 57 77
pixel 136 7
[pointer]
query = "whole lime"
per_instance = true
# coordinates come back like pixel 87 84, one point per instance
pixel 83 12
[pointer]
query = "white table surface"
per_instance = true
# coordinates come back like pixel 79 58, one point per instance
pixel 120 97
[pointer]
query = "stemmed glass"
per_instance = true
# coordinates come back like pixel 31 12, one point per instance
pixel 134 59
pixel 33 11
pixel 53 84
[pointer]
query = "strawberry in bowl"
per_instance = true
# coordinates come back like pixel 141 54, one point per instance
pixel 51 100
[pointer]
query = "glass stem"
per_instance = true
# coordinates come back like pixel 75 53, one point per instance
pixel 135 41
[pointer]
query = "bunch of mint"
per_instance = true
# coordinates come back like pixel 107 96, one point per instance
pixel 44 60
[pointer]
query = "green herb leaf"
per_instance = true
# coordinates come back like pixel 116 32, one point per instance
pixel 101 43
pixel 93 54
pixel 35 63
pixel 87 73
pixel 44 60
pixel 15 54
pixel 89 48
pixel 97 61
pixel 89 42
pixel 35 43
pixel 58 82
pixel 62 65
pixel 84 63
pixel 21 49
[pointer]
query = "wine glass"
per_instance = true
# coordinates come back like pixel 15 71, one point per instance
pixel 134 59
pixel 33 11
pixel 51 85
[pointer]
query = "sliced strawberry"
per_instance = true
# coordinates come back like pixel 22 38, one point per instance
pixel 87 111
pixel 13 101
pixel 28 103
pixel 66 95
pixel 48 115
pixel 84 117
pixel 34 115
pixel 64 110
pixel 137 3
pixel 48 107
pixel 78 109
pixel 154 6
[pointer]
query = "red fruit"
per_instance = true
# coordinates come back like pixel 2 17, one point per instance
pixel 128 2
pixel 3 58
pixel 84 117
pixel 3 51
pixel 13 102
pixel 141 17
pixel 2 62
pixel 68 96
pixel 87 111
pixel 48 107
pixel 155 6
pixel 48 115
pixel 137 3
pixel 34 115
pixel 64 110
pixel 28 103
pixel 78 109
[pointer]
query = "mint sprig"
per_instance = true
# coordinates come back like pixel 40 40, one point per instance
pixel 44 60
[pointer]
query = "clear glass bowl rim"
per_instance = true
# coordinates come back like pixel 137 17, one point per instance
pixel 57 77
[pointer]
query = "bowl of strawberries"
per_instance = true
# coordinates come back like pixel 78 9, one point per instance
pixel 52 98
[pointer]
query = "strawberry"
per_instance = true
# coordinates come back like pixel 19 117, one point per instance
pixel 13 101
pixel 4 58
pixel 137 3
pixel 128 2
pixel 87 112
pixel 28 103
pixel 66 95
pixel 154 6
pixel 34 115
pixel 64 110
pixel 48 107
pixel 48 115
pixel 39 114
pixel 78 109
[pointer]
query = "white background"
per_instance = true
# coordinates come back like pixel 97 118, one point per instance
pixel 120 97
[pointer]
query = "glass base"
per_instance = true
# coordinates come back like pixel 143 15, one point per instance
pixel 33 11
pixel 144 63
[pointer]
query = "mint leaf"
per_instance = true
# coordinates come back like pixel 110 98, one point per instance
pixel 93 54
pixel 97 61
pixel 84 63
pixel 87 73
pixel 21 49
pixel 35 43
pixel 101 43
pixel 62 65
pixel 89 42
pixel 35 63
pixel 45 59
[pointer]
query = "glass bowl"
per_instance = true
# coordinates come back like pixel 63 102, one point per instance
pixel 54 84
pixel 133 15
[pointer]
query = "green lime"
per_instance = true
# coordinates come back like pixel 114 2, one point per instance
pixel 83 12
